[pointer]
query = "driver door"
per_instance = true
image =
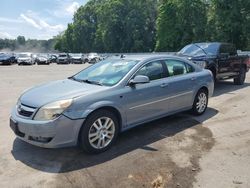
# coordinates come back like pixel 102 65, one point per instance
pixel 146 101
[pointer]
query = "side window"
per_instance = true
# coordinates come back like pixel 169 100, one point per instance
pixel 231 50
pixel 176 67
pixel 223 49
pixel 153 70
pixel 189 68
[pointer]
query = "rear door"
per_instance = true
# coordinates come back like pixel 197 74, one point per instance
pixel 226 58
pixel 181 84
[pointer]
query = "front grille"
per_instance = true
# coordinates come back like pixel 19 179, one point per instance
pixel 25 113
pixel 24 110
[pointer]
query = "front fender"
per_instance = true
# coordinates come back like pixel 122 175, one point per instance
pixel 83 112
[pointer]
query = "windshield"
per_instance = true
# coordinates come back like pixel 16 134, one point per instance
pixel 93 54
pixel 24 55
pixel 199 49
pixel 63 55
pixel 76 55
pixel 42 56
pixel 108 72
pixel 2 55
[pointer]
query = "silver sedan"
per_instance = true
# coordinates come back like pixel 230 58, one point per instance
pixel 93 106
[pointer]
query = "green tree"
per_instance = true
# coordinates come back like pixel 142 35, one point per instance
pixel 20 40
pixel 229 21
pixel 111 26
pixel 180 22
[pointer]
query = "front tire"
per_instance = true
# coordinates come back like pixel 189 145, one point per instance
pixel 200 102
pixel 240 80
pixel 99 131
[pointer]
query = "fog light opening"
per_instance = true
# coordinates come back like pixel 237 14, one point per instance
pixel 40 139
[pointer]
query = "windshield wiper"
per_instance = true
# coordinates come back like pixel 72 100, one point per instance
pixel 86 81
pixel 92 82
pixel 73 78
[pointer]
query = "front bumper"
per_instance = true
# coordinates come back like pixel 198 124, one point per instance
pixel 25 63
pixel 62 61
pixel 5 62
pixel 76 61
pixel 60 132
pixel 42 62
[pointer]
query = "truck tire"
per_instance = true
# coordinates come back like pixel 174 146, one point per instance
pixel 213 70
pixel 240 79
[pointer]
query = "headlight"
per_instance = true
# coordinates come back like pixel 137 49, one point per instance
pixel 52 110
pixel 201 64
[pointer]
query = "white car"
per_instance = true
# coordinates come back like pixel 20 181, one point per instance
pixel 25 59
pixel 93 58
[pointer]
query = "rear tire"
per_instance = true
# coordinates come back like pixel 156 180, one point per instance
pixel 200 102
pixel 240 80
pixel 99 131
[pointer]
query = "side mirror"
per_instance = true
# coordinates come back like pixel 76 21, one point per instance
pixel 139 80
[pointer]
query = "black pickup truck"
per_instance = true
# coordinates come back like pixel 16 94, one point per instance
pixel 221 58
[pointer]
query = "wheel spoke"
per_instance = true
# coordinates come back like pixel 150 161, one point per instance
pixel 99 143
pixel 100 123
pixel 110 131
pixel 109 125
pixel 106 122
pixel 109 136
pixel 102 142
pixel 96 126
pixel 93 134
pixel 94 139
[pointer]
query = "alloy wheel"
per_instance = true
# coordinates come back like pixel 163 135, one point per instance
pixel 202 102
pixel 101 132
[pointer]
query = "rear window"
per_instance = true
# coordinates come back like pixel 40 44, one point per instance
pixel 228 49
pixel 176 67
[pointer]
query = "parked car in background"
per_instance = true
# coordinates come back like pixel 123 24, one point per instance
pixel 25 59
pixel 220 58
pixel 76 58
pixel 93 58
pixel 114 95
pixel 7 58
pixel 42 59
pixel 63 58
pixel 52 58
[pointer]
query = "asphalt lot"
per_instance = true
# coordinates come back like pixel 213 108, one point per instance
pixel 212 150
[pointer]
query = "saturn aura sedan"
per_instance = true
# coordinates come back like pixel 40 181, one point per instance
pixel 92 107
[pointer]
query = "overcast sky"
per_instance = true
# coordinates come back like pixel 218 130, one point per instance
pixel 36 19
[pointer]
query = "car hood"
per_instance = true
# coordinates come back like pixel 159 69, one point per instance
pixel 24 58
pixel 200 57
pixel 4 57
pixel 42 59
pixel 57 90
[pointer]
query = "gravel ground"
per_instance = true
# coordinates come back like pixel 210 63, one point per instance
pixel 212 150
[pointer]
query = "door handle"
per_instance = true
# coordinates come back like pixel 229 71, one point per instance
pixel 164 85
pixel 193 78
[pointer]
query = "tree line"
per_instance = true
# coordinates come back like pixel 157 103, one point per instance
pixel 155 25
pixel 22 45
pixel 147 26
